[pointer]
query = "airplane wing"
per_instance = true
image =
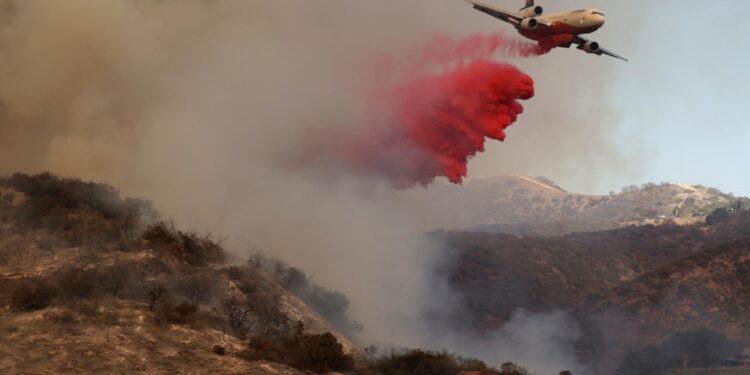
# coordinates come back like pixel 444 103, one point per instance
pixel 504 15
pixel 581 41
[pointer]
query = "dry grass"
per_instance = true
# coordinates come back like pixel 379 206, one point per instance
pixel 76 268
pixel 40 343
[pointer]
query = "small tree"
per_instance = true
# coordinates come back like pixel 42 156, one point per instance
pixel 238 313
pixel 197 289
pixel 155 294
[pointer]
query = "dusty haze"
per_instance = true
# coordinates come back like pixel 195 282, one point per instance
pixel 196 104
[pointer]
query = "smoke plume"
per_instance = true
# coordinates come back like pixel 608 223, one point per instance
pixel 431 107
pixel 198 106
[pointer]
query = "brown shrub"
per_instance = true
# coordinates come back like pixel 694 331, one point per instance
pixel 259 314
pixel 423 362
pixel 236 273
pixel 237 313
pixel 76 283
pixel 189 248
pixel 182 313
pixel 34 294
pixel 219 350
pixel 510 368
pixel 197 288
pixel 81 212
pixel 322 353
pixel 61 317
pixel 318 353
pixel 108 317
pixel 120 279
pixel 89 308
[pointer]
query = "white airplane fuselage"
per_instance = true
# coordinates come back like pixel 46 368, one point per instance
pixel 563 26
pixel 552 30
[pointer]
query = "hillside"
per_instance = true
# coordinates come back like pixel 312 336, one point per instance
pixel 525 206
pixel 627 287
pixel 93 283
pixel 709 289
pixel 499 273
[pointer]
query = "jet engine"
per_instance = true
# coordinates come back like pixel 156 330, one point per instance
pixel 531 12
pixel 591 47
pixel 529 24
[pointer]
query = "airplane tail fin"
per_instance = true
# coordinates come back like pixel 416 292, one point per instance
pixel 529 4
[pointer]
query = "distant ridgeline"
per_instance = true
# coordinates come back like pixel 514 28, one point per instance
pixel 538 207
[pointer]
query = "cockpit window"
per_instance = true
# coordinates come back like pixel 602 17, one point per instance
pixel 599 13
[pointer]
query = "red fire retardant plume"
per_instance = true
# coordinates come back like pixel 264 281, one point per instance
pixel 436 122
pixel 429 108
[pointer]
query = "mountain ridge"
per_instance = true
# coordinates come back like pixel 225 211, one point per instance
pixel 526 206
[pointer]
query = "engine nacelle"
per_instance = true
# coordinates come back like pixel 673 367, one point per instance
pixel 529 24
pixel 531 12
pixel 591 47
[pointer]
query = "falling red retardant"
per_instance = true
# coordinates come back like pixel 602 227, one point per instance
pixel 435 123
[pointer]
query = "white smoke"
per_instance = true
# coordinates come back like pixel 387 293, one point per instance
pixel 198 105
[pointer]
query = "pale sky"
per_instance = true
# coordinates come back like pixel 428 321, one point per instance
pixel 694 98
pixel 676 112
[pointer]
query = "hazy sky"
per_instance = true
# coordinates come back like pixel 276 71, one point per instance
pixel 689 91
pixel 676 112
pixel 673 113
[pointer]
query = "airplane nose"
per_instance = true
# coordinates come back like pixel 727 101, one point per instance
pixel 599 19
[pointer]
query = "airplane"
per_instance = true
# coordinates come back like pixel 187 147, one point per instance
pixel 553 30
